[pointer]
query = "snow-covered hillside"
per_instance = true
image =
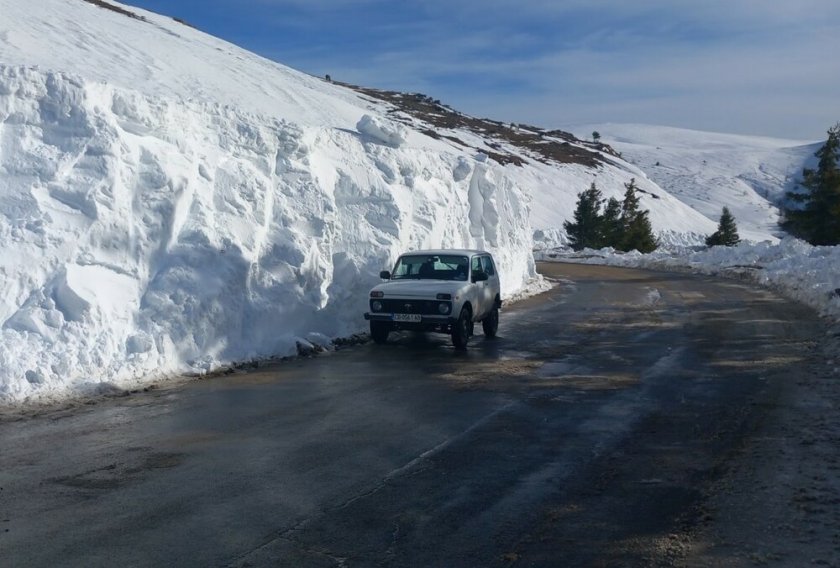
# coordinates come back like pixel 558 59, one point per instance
pixel 170 203
pixel 708 171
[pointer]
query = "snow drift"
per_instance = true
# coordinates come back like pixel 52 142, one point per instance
pixel 390 134
pixel 144 236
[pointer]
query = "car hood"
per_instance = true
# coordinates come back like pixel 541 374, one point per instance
pixel 426 289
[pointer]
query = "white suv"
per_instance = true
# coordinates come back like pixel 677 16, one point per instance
pixel 445 291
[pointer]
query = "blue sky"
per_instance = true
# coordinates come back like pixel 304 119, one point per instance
pixel 767 67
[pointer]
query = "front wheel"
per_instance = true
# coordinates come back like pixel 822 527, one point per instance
pixel 490 323
pixel 461 329
pixel 379 332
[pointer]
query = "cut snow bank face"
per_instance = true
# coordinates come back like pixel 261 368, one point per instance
pixel 145 236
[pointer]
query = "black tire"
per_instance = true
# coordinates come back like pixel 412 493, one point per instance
pixel 461 329
pixel 379 331
pixel 490 323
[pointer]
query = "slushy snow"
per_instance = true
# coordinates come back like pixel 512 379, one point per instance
pixel 170 203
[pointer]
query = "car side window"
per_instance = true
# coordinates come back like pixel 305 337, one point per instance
pixel 476 264
pixel 487 263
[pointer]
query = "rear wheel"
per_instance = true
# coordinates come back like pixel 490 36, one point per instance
pixel 490 323
pixel 379 332
pixel 461 329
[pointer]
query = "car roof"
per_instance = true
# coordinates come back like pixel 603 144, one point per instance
pixel 465 252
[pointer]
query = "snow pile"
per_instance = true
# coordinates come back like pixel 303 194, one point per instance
pixel 388 133
pixel 145 236
pixel 802 272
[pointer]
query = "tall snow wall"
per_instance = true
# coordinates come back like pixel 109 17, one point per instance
pixel 143 237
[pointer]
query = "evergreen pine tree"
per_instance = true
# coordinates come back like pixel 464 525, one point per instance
pixel 727 231
pixel 637 231
pixel 586 230
pixel 818 221
pixel 613 227
pixel 630 205
pixel 639 234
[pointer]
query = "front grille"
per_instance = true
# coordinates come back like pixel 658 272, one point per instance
pixel 392 306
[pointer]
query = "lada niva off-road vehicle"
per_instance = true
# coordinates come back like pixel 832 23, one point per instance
pixel 445 291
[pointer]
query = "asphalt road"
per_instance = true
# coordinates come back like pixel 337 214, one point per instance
pixel 587 434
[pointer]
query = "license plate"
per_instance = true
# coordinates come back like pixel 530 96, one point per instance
pixel 408 317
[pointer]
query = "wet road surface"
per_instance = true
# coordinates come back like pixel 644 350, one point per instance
pixel 586 434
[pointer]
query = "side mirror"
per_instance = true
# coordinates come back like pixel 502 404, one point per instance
pixel 385 275
pixel 479 276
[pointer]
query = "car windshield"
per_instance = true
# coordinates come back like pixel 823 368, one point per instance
pixel 431 267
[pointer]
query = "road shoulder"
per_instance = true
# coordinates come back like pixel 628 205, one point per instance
pixel 778 502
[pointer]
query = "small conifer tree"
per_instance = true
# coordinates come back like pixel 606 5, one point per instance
pixel 727 231
pixel 637 231
pixel 622 225
pixel 596 136
pixel 613 226
pixel 630 205
pixel 639 234
pixel 586 230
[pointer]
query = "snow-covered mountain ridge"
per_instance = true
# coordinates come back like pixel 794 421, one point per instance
pixel 170 203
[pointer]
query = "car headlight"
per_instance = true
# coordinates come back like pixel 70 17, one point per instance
pixel 376 306
pixel 444 307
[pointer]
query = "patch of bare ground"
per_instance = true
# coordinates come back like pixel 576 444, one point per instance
pixel 117 9
pixel 509 143
pixel 183 22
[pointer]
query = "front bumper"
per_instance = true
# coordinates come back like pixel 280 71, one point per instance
pixel 428 322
